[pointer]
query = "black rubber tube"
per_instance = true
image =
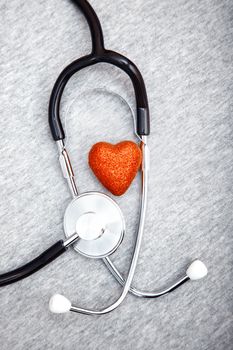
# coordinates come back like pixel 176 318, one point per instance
pixel 28 269
pixel 99 54
pixel 111 57
pixel 94 25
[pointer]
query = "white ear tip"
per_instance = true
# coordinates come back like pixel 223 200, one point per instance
pixel 196 270
pixel 59 304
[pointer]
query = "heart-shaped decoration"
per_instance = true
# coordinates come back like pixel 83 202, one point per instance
pixel 115 165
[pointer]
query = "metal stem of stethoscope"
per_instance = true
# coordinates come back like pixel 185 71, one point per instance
pixel 71 240
pixel 139 293
pixel 67 168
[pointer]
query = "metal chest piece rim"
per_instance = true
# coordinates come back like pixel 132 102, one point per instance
pixel 98 221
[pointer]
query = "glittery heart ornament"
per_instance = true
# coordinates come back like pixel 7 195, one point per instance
pixel 115 165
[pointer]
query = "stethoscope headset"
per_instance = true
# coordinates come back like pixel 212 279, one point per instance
pixel 93 223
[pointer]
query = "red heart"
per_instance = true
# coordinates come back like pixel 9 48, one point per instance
pixel 115 165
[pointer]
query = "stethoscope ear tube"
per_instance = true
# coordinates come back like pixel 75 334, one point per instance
pixel 105 56
pixel 28 269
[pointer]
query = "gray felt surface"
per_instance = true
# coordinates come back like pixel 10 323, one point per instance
pixel 184 50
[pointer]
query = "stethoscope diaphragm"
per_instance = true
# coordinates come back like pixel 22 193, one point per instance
pixel 98 221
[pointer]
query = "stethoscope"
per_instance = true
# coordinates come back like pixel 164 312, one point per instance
pixel 93 222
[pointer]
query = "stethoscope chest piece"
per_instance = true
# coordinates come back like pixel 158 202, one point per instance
pixel 98 221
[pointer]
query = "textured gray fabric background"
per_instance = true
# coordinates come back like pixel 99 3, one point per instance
pixel 184 49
